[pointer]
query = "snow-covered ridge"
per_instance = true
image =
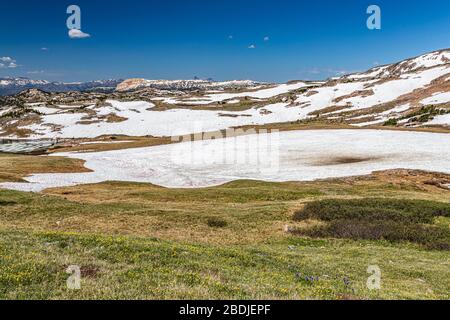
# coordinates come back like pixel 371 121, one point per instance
pixel 21 82
pixel 196 84
pixel 429 60
pixel 261 93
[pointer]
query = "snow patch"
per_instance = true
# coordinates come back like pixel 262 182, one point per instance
pixel 292 156
pixel 437 98
pixel 441 120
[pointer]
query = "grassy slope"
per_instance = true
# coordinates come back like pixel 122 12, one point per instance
pixel 14 167
pixel 141 241
pixel 33 266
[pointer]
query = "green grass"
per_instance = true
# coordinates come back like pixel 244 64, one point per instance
pixel 138 241
pixel 33 267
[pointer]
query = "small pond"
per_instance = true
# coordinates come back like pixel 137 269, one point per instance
pixel 25 146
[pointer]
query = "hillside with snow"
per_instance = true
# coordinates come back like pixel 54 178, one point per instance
pixel 412 93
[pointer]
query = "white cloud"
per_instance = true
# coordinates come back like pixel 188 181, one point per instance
pixel 35 72
pixel 252 46
pixel 266 38
pixel 7 62
pixel 44 49
pixel 78 34
pixel 6 59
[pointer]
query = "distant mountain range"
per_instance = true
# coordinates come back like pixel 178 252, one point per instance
pixel 184 85
pixel 11 86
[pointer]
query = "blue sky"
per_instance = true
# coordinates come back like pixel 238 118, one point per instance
pixel 210 39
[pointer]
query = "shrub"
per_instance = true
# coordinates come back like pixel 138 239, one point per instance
pixel 391 122
pixel 19 113
pixel 217 223
pixel 7 203
pixel 425 114
pixel 380 230
pixel 378 219
pixel 417 211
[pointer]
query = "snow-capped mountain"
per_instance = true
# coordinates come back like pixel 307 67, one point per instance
pixel 5 82
pixel 182 85
pixel 10 86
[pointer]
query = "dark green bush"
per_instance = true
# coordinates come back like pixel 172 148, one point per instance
pixel 381 230
pixel 217 223
pixel 378 219
pixel 425 114
pixel 7 203
pixel 391 122
pixel 417 211
pixel 19 113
